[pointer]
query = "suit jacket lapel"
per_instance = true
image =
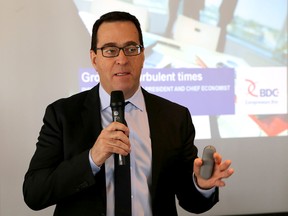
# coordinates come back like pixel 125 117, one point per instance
pixel 92 127
pixel 91 115
pixel 157 139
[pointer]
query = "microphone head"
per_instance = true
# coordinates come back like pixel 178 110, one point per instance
pixel 117 99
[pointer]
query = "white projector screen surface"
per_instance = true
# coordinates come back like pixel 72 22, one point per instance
pixel 242 95
pixel 228 64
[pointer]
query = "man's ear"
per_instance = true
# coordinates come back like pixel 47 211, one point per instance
pixel 93 57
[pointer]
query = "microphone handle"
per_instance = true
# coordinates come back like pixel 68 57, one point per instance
pixel 118 116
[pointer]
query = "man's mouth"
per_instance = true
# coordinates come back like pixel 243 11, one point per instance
pixel 121 74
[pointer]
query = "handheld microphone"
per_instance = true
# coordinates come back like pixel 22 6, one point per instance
pixel 117 104
pixel 206 170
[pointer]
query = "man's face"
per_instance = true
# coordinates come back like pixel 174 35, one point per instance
pixel 121 72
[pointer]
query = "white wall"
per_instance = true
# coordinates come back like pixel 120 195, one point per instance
pixel 39 41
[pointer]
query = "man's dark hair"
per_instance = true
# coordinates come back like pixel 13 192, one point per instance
pixel 113 17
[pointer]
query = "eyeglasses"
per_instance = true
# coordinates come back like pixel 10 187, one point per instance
pixel 113 51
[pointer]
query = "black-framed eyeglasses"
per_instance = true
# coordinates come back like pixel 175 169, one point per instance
pixel 113 51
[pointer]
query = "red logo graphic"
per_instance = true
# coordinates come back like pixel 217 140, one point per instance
pixel 251 88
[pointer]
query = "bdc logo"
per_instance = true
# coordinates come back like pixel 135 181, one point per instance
pixel 269 92
pixel 261 92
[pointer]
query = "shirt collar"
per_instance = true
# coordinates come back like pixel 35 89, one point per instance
pixel 137 99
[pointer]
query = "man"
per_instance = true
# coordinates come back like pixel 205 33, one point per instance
pixel 73 164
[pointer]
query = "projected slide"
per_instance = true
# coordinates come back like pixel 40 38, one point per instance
pixel 219 58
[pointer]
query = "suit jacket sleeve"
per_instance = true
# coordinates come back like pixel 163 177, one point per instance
pixel 188 196
pixel 60 166
pixel 173 154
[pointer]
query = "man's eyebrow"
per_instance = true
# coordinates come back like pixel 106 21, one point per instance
pixel 130 43
pixel 109 44
pixel 115 44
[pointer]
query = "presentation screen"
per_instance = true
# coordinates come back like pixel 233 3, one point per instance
pixel 222 59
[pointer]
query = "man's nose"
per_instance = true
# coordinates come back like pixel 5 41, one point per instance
pixel 121 58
